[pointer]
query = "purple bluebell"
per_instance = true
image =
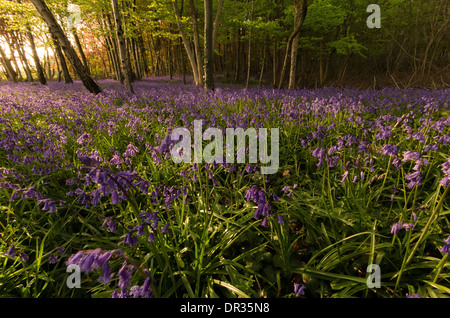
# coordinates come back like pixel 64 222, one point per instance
pixel 299 289
pixel 106 275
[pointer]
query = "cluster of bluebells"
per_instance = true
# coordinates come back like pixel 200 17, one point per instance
pixel 92 260
pixel 115 185
pixel 263 209
pixel 148 221
pixel 446 170
pixel 398 226
pixel 48 204
pixel 12 252
pixel 33 143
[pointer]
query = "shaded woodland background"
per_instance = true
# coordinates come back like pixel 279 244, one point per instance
pixel 250 40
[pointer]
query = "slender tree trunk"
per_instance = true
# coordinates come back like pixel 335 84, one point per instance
pixel 12 76
pixel 70 53
pixel 37 63
pixel 249 58
pixel 136 58
pixel 216 21
pixel 113 48
pixel 209 49
pixel 13 57
pixel 22 56
pixel 62 61
pixel 263 65
pixel 294 51
pixel 238 59
pixel 80 49
pixel 187 45
pixel 183 63
pixel 197 47
pixel 303 4
pixel 124 61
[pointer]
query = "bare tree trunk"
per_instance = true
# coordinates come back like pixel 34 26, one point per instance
pixel 22 56
pixel 62 61
pixel 13 56
pixel 183 64
pixel 294 50
pixel 197 47
pixel 263 65
pixel 216 21
pixel 209 50
pixel 70 53
pixel 37 63
pixel 80 49
pixel 187 45
pixel 114 50
pixel 12 76
pixel 303 9
pixel 124 61
pixel 249 58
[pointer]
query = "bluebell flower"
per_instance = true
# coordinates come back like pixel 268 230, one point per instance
pixel 299 289
pixel 411 155
pixel 53 259
pixel 396 227
pixel 106 276
pixel 415 178
pixel 124 276
pixel 389 150
pixel 24 257
pixel 12 251
pixel 414 296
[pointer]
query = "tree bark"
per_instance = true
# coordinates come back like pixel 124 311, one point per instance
pixel 22 56
pixel 294 50
pixel 186 43
pixel 80 49
pixel 114 50
pixel 70 53
pixel 303 4
pixel 249 58
pixel 62 61
pixel 197 47
pixel 124 61
pixel 216 21
pixel 37 63
pixel 13 56
pixel 12 76
pixel 209 50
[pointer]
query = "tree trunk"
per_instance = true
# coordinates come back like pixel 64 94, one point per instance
pixel 22 56
pixel 183 64
pixel 250 46
pixel 292 73
pixel 70 53
pixel 209 50
pixel 12 76
pixel 197 47
pixel 303 7
pixel 80 49
pixel 13 57
pixel 37 63
pixel 263 65
pixel 216 21
pixel 114 50
pixel 62 61
pixel 124 61
pixel 187 45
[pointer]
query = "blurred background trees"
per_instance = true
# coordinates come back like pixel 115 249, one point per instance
pixel 249 42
